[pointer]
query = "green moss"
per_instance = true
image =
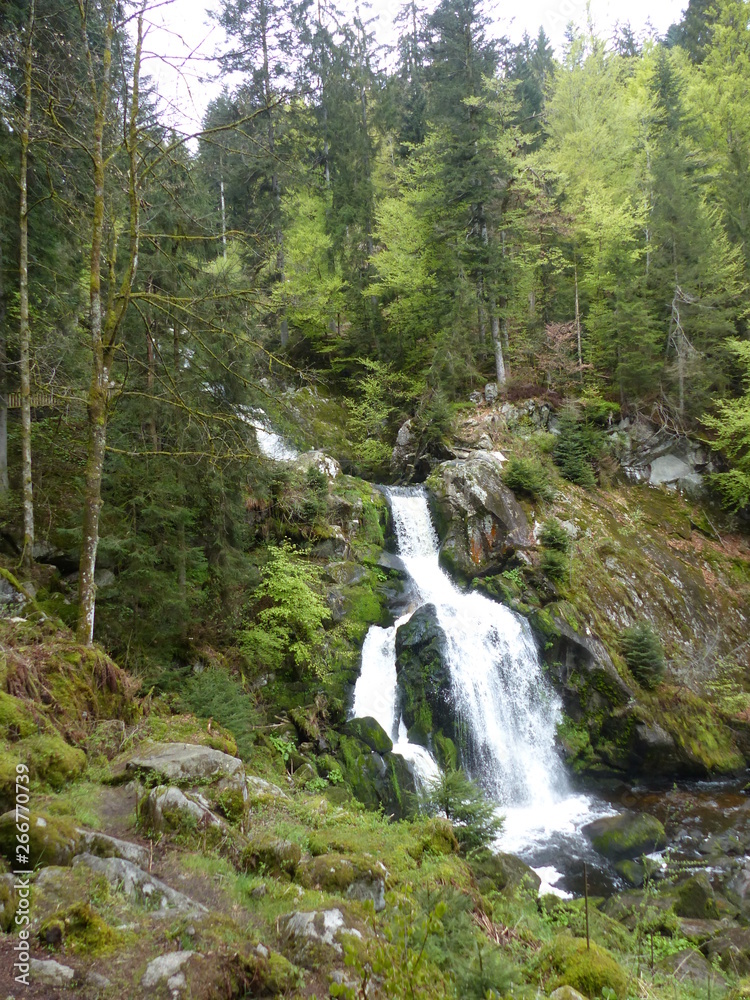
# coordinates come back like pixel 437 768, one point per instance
pixel 52 839
pixel 576 744
pixel 446 751
pixel 567 962
pixel 697 730
pixel 271 854
pixel 80 929
pixel 54 761
pixel 16 718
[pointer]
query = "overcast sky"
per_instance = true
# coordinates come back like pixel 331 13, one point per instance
pixel 182 38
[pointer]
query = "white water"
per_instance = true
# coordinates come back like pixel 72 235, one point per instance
pixel 271 444
pixel 499 693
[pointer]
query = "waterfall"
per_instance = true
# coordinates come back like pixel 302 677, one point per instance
pixel 501 697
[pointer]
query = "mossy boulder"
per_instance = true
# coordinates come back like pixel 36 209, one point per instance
pixel 16 718
pixel 355 876
pixel 479 521
pixel 370 732
pixel 690 967
pixel 696 899
pixel 80 929
pixel 424 677
pixel 628 835
pixel 731 950
pixel 186 815
pixel 53 761
pixel 53 840
pixel 568 962
pixel 271 854
pixel 8 902
pixel 185 764
pixel 377 779
pixel 503 872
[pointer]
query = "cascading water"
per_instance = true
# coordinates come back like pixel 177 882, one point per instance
pixel 499 693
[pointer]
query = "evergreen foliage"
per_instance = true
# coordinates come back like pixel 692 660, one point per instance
pixel 576 447
pixel 643 654
pixel 460 799
pixel 528 477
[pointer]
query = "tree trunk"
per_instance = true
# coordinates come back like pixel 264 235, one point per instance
pixel 104 321
pixel 23 307
pixel 578 323
pixel 498 344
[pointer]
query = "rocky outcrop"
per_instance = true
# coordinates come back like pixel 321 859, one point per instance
pixel 424 678
pixel 187 764
pixel 479 521
pixel 139 885
pixel 655 455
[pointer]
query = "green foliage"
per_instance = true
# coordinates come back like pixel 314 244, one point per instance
pixel 474 816
pixel 291 628
pixel 527 477
pixel 732 428
pixel 577 446
pixel 567 961
pixel 643 654
pixel 554 536
pixel 555 564
pixel 215 694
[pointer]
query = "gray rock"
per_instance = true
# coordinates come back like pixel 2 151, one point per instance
pixel 9 594
pixel 104 578
pixel 689 966
pixel 167 966
pixel 320 461
pixel 566 993
pixel 98 981
pixel 731 949
pixel 477 398
pixel 188 763
pixel 104 846
pixel 316 927
pixel 491 392
pixel 259 789
pixel 168 807
pixel 51 973
pixel 668 469
pixel 479 520
pixel 139 885
pixel 404 452
pixel 628 835
pixel 368 889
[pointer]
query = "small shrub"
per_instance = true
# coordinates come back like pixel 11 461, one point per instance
pixel 462 801
pixel 591 971
pixel 554 564
pixel 554 536
pixel 527 477
pixel 643 654
pixel 577 446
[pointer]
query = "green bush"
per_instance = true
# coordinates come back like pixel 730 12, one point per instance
pixel 577 446
pixel 554 536
pixel 643 654
pixel 530 478
pixel 568 962
pixel 215 694
pixel 554 564
pixel 459 798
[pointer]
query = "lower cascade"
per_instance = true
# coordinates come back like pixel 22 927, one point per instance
pixel 499 694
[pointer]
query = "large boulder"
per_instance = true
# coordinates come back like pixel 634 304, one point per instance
pixel 424 676
pixel 313 936
pixel 356 877
pixel 479 521
pixel 628 835
pixel 369 731
pixel 187 764
pixel 170 810
pixel 52 840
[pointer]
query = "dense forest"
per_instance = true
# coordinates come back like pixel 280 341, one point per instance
pixel 393 232
pixel 374 506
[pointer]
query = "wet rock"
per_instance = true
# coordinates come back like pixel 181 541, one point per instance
pixel 633 872
pixel 187 764
pixel 50 973
pixel 479 521
pixel 424 678
pixel 167 967
pixel 404 453
pixel 138 885
pixel 628 835
pixel 370 732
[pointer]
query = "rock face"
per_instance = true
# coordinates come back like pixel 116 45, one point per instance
pixel 424 677
pixel 111 847
pixel 651 454
pixel 138 884
pixel 479 521
pixel 626 836
pixel 369 731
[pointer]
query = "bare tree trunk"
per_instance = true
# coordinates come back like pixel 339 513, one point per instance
pixel 105 321
pixel 4 482
pixel 498 345
pixel 23 305
pixel 223 220
pixel 150 387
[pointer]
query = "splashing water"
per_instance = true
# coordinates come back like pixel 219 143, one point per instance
pixel 500 695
